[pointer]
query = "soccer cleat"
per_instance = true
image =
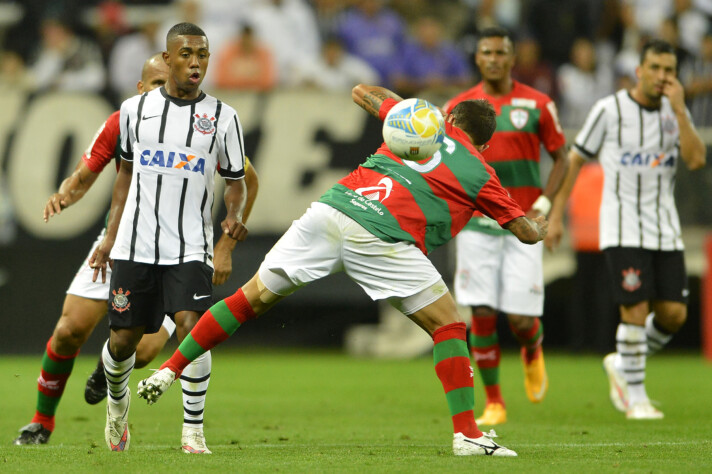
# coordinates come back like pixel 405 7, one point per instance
pixel 536 382
pixel 193 441
pixel 619 388
pixel 153 387
pixel 482 446
pixel 95 389
pixel 643 411
pixel 116 433
pixel 34 433
pixel 494 414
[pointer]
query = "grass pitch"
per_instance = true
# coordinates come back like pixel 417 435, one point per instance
pixel 326 412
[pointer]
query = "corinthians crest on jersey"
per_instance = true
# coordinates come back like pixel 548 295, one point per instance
pixel 204 124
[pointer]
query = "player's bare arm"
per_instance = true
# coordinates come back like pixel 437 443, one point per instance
pixel 100 257
pixel 370 98
pixel 558 206
pixel 71 190
pixel 528 231
pixel 222 258
pixel 542 206
pixel 235 200
pixel 692 148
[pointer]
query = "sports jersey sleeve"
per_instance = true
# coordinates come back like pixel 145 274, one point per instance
pixel 590 138
pixel 102 148
pixel 231 149
pixel 386 107
pixel 494 201
pixel 550 132
pixel 125 133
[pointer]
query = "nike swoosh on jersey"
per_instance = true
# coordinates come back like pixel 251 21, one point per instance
pixel 152 116
pixel 196 297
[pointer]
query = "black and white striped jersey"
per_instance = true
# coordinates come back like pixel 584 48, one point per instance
pixel 639 150
pixel 176 146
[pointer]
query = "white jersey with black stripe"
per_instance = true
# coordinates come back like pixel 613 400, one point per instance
pixel 639 149
pixel 176 146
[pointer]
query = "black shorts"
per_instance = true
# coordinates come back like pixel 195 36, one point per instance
pixel 640 275
pixel 141 293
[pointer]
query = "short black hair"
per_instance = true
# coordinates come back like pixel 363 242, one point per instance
pixel 496 32
pixel 477 118
pixel 657 46
pixel 184 29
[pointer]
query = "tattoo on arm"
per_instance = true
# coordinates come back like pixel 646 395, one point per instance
pixel 373 100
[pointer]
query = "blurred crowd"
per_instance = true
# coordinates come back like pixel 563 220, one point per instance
pixel 577 51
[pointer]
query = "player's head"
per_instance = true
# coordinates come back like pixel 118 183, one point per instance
pixel 187 53
pixel 154 74
pixel 495 54
pixel 658 65
pixel 477 118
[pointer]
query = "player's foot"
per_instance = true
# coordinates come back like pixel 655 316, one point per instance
pixel 34 433
pixel 494 414
pixel 95 389
pixel 153 387
pixel 116 433
pixel 643 411
pixel 618 386
pixel 482 446
pixel 536 382
pixel 193 441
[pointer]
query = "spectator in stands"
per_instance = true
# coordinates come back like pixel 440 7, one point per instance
pixel 128 54
pixel 429 61
pixel 669 31
pixel 530 69
pixel 13 73
pixel 581 83
pixel 376 34
pixel 692 25
pixel 335 69
pixel 289 29
pixel 696 76
pixel 245 63
pixel 328 15
pixel 67 62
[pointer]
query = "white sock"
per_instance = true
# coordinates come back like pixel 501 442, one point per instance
pixel 117 380
pixel 656 338
pixel 194 380
pixel 631 344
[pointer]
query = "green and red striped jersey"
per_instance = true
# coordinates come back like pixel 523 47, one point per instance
pixel 526 119
pixel 423 202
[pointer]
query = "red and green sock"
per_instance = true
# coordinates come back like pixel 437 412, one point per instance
pixel 484 344
pixel 530 340
pixel 452 365
pixel 56 369
pixel 217 324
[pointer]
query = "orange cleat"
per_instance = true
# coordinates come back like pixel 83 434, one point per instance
pixel 536 382
pixel 494 414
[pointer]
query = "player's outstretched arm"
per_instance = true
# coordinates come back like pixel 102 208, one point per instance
pixel 222 260
pixel 100 257
pixel 71 190
pixel 528 231
pixel 370 98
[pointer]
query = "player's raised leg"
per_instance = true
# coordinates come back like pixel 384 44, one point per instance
pixel 79 317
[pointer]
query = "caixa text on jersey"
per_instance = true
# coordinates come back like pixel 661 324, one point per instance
pixel 173 159
pixel 647 159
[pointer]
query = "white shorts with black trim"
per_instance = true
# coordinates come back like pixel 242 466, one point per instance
pixel 325 241
pixel 499 271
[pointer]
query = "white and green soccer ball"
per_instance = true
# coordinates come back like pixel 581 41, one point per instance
pixel 414 129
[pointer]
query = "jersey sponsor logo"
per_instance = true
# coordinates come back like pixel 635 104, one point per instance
pixel 385 186
pixel 204 124
pixel 519 118
pixel 172 159
pixel 647 159
pixel 522 102
pixel 631 279
pixel 120 301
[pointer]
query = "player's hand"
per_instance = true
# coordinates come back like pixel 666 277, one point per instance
pixel 553 236
pixel 234 229
pixel 55 204
pixel 542 226
pixel 674 91
pixel 100 258
pixel 222 260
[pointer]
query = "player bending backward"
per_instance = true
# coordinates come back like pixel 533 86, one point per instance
pixel 86 301
pixel 382 246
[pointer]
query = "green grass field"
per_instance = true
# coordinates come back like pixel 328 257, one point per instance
pixel 326 412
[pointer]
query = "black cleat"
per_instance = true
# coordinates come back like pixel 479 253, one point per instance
pixel 95 389
pixel 34 433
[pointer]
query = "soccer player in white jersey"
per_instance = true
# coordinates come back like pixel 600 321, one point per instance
pixel 639 136
pixel 159 234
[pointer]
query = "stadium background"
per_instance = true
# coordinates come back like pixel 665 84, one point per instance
pixel 300 139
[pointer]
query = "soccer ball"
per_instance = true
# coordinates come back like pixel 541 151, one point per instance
pixel 414 129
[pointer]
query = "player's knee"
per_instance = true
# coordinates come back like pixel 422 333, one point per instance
pixel 672 319
pixel 481 311
pixel 69 337
pixel 520 323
